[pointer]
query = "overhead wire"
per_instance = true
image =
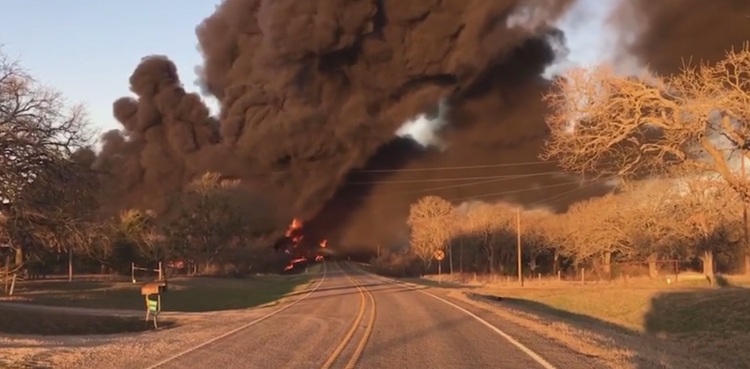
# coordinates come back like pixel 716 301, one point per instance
pixel 504 176
pixel 559 196
pixel 433 189
pixel 459 167
pixel 510 192
pixel 445 168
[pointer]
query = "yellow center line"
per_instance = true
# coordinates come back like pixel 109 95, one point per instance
pixel 350 333
pixel 366 336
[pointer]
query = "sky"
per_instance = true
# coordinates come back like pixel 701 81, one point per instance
pixel 88 49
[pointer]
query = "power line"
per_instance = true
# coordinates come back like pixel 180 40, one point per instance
pixel 505 176
pixel 502 193
pixel 559 196
pixel 460 167
pixel 431 189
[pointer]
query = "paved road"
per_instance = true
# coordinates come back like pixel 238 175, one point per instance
pixel 411 330
pixel 298 337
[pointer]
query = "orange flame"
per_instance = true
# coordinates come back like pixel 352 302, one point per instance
pixel 295 225
pixel 323 244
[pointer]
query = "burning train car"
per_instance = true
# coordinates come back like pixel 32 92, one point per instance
pixel 301 253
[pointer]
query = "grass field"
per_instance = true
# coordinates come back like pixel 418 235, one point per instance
pixel 708 321
pixel 21 321
pixel 183 295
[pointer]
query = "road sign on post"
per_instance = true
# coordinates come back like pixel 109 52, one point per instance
pixel 439 256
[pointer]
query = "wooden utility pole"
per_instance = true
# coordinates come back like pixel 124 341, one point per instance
pixel 450 258
pixel 744 215
pixel 518 246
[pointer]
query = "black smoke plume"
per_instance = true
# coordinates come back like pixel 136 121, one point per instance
pixel 678 31
pixel 312 92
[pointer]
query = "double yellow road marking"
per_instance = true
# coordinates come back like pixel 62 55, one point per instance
pixel 364 294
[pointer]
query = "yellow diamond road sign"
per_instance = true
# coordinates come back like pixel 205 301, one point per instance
pixel 439 255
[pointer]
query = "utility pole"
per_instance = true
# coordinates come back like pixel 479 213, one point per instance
pixel 518 246
pixel 744 214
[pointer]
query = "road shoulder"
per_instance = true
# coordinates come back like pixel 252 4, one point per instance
pixel 609 346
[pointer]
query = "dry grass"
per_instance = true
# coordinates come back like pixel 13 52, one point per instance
pixel 650 322
pixel 184 294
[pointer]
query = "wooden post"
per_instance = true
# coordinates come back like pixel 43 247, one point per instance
pixel 161 272
pixel 518 245
pixel 12 284
pixel 559 277
pixel 132 272
pixel 158 310
pixel 440 272
pixel 583 275
pixel 70 264
pixel 450 259
pixel 461 258
pixel 6 274
pixel 746 232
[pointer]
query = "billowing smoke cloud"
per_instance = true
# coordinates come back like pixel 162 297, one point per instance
pixel 674 31
pixel 313 93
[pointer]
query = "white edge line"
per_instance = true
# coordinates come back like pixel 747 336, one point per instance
pixel 247 325
pixel 536 357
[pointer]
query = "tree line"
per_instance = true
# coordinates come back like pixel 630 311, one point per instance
pixel 642 229
pixel 53 209
pixel 677 145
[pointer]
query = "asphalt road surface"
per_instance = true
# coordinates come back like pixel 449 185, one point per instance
pixel 334 327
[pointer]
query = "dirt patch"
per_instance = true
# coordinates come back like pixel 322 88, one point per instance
pixel 27 322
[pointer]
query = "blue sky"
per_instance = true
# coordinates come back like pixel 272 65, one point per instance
pixel 88 49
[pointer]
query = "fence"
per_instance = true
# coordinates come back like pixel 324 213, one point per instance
pixel 159 271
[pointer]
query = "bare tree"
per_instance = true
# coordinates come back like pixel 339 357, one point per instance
pixel 38 137
pixel 649 222
pixel 139 228
pixel 598 232
pixel 603 124
pixel 491 229
pixel 36 128
pixel 430 220
pixel 535 239
pixel 709 217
